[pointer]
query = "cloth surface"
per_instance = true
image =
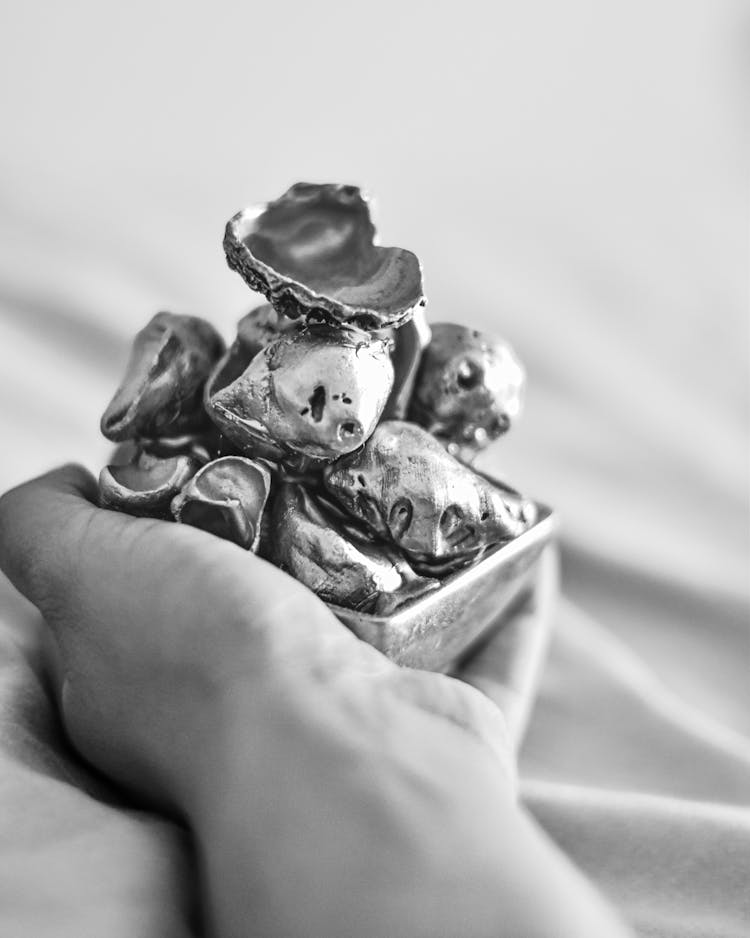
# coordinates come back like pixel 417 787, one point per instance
pixel 572 177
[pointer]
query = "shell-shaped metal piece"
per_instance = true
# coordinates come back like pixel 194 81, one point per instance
pixel 146 486
pixel 161 393
pixel 319 393
pixel 335 561
pixel 312 253
pixel 404 486
pixel 469 388
pixel 409 342
pixel 227 498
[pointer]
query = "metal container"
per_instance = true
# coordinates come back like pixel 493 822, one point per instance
pixel 438 630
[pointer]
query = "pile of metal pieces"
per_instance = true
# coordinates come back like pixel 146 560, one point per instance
pixel 334 436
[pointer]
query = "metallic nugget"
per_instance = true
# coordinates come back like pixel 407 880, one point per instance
pixel 317 393
pixel 342 565
pixel 405 487
pixel 408 344
pixel 469 388
pixel 260 327
pixel 161 393
pixel 255 331
pixel 334 436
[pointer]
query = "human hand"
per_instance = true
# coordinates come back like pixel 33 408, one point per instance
pixel 202 677
pixel 155 624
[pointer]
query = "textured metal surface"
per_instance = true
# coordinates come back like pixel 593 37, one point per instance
pixel 146 485
pixel 312 252
pixel 339 563
pixel 405 487
pixel 318 393
pixel 261 326
pixel 255 331
pixel 409 342
pixel 437 630
pixel 469 388
pixel 161 393
pixel 227 498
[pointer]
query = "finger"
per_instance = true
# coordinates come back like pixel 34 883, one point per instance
pixel 53 538
pixel 60 550
pixel 507 667
pixel 35 524
pixel 171 587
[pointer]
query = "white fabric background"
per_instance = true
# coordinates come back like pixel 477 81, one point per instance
pixel 574 176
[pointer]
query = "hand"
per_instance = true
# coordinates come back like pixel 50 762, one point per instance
pixel 155 624
pixel 331 793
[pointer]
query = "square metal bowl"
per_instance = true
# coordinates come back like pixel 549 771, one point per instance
pixel 436 631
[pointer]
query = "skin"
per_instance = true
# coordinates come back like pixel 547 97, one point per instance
pixel 329 792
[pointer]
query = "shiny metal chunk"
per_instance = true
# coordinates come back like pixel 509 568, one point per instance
pixel 312 253
pixel 318 393
pixel 161 393
pixel 340 564
pixel 469 388
pixel 404 486
pixel 409 342
pixel 255 331
pixel 261 326
pixel 226 498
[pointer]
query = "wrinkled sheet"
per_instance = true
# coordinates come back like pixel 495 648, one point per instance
pixel 574 180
